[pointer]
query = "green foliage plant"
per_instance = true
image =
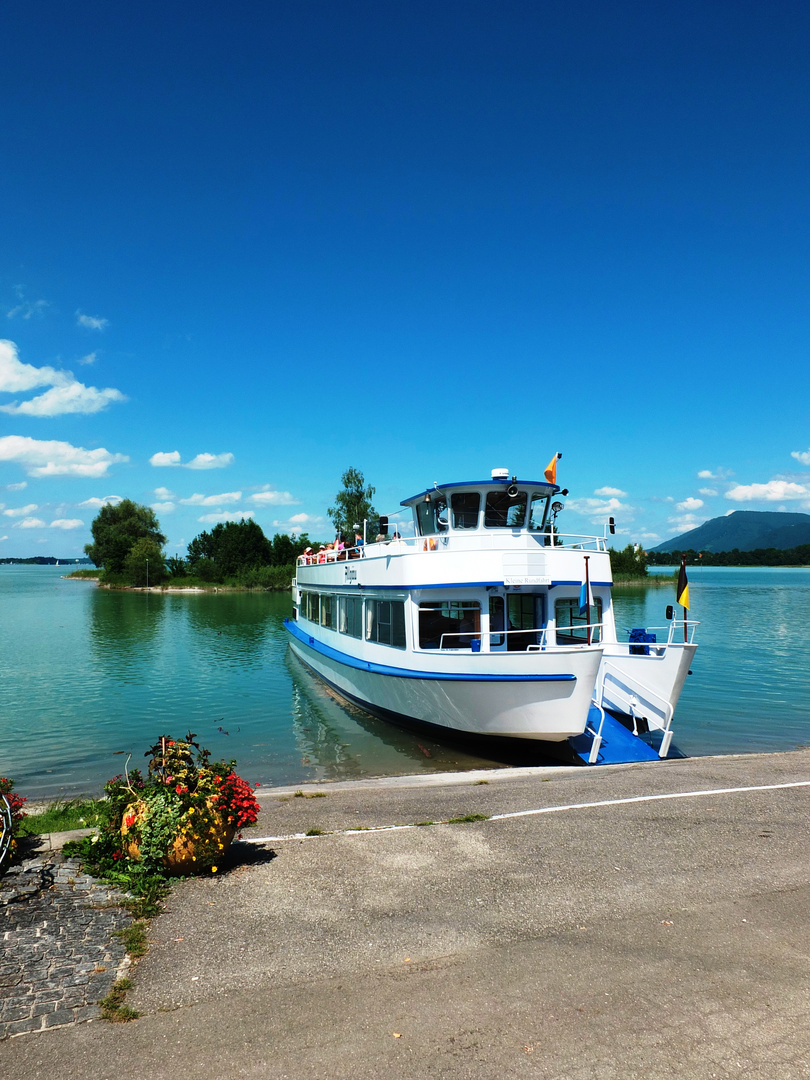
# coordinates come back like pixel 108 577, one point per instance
pixel 113 1007
pixel 144 565
pixel 116 528
pixel 630 562
pixel 353 504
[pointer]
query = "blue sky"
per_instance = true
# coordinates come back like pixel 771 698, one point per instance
pixel 247 245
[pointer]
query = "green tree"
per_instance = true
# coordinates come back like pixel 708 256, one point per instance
pixel 115 531
pixel 145 565
pixel 631 561
pixel 352 503
pixel 232 546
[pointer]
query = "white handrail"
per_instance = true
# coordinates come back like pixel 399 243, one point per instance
pixel 636 686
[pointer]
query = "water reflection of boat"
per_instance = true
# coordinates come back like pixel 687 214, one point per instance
pixel 476 622
pixel 340 740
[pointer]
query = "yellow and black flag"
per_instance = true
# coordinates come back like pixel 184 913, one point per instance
pixel 682 592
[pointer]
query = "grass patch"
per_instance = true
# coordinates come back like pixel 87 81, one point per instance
pixel 310 795
pixel 86 574
pixel 133 939
pixel 315 832
pixel 62 817
pixel 466 818
pixel 479 782
pixel 420 824
pixel 113 1007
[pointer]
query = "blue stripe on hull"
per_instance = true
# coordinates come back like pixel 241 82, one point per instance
pixel 410 673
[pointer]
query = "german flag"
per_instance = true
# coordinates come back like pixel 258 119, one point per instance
pixel 682 592
pixel 551 470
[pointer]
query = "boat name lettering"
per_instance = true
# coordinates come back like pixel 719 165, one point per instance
pixel 527 580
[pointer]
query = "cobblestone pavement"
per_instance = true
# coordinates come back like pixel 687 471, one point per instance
pixel 59 957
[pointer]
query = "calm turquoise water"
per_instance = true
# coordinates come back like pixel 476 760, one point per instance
pixel 87 676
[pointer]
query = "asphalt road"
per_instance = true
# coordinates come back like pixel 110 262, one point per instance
pixel 599 938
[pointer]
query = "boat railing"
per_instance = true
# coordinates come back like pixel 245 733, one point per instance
pixel 638 688
pixel 670 634
pixel 442 541
pixel 504 636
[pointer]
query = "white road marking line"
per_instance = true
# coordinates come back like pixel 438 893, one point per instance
pixel 542 810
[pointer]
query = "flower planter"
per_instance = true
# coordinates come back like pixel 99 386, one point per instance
pixel 184 855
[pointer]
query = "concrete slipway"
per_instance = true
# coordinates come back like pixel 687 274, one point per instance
pixel 652 921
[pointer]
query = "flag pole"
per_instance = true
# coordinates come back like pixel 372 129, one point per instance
pixel 684 609
pixel 588 596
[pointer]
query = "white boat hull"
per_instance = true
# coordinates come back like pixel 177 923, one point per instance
pixel 550 705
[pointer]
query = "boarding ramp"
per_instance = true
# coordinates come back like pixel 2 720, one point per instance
pixel 606 741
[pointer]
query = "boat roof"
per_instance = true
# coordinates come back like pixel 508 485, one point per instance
pixel 492 482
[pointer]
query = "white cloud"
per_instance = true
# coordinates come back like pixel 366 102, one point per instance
pixel 720 474
pixel 708 492
pixel 17 377
pixel 66 393
pixel 773 491
pixel 25 309
pixel 686 522
pixel 649 536
pixel 91 322
pixel 605 492
pixel 211 461
pixel 233 515
pixel 22 511
pixel 596 510
pixel 212 500
pixel 274 498
pixel 3 538
pixel 23 484
pixel 164 459
pixel 163 507
pixel 801 455
pixel 75 397
pixel 67 523
pixel 689 505
pixel 30 523
pixel 300 522
pixel 164 493
pixel 105 500
pixel 52 458
pixel 89 359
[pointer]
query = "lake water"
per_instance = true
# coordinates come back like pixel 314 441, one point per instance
pixel 88 676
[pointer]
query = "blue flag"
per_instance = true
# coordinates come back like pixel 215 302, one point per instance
pixel 585 599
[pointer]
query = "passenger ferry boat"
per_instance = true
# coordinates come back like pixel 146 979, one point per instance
pixel 485 621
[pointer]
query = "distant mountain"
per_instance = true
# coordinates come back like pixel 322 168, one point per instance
pixel 744 530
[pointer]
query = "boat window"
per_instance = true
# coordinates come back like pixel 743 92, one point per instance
pixel 465 506
pixel 329 611
pixel 502 512
pixel 571 625
pixel 524 612
pixel 432 516
pixel 495 620
pixel 449 624
pixel 538 512
pixel 350 619
pixel 385 622
pixel 311 606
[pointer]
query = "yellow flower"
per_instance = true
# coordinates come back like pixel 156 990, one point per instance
pixel 213 869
